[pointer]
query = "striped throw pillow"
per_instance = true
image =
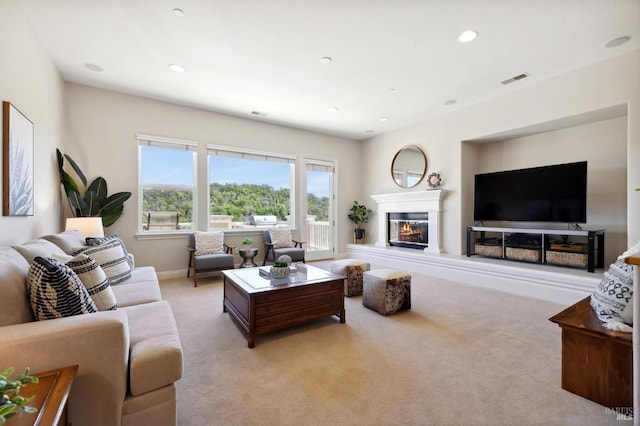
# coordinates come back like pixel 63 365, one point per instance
pixel 112 257
pixel 55 291
pixel 95 281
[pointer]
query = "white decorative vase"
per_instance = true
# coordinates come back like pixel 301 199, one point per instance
pixel 279 271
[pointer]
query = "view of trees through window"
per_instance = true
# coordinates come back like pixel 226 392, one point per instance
pixel 240 185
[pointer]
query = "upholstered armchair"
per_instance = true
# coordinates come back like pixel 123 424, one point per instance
pixel 208 252
pixel 278 242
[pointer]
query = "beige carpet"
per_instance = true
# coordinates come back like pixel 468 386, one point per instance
pixel 460 356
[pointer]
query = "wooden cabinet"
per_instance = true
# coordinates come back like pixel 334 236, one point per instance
pixel 597 363
pixel 572 248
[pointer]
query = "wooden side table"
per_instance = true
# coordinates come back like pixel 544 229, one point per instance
pixel 50 398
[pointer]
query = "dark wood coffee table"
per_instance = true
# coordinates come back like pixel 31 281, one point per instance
pixel 259 305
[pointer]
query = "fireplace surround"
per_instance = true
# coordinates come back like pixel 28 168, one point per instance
pixel 411 202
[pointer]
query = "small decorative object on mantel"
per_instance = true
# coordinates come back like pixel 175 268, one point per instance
pixel 434 180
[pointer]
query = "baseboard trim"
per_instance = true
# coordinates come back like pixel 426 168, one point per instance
pixel 546 282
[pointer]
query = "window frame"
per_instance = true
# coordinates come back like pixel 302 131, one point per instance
pixel 167 143
pixel 253 154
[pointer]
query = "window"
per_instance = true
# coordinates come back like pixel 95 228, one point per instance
pixel 167 184
pixel 250 188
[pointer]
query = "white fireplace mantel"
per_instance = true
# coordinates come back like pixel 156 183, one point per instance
pixel 411 202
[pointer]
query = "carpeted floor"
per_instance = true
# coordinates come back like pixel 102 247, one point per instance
pixel 460 356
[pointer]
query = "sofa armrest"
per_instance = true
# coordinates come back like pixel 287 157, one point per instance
pixel 98 343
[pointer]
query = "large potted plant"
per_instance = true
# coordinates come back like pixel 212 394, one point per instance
pixel 91 200
pixel 359 214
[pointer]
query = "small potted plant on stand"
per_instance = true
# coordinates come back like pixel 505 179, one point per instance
pixel 359 214
pixel 247 253
pixel 246 243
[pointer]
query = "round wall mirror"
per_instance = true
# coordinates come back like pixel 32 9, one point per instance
pixel 408 166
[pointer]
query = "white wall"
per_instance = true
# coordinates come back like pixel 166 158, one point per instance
pixel 602 144
pixel 102 127
pixel 30 81
pixel 599 86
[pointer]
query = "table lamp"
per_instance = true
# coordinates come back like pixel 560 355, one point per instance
pixel 88 226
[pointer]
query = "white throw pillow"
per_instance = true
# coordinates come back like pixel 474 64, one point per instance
pixel 209 242
pixel 95 281
pixel 281 238
pixel 612 298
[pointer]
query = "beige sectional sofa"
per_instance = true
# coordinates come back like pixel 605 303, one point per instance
pixel 129 359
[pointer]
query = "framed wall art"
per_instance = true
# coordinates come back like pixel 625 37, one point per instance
pixel 17 162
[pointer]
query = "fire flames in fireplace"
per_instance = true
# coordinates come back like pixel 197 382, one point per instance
pixel 409 233
pixel 409 230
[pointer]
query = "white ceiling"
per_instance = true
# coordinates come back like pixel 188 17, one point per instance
pixel 398 59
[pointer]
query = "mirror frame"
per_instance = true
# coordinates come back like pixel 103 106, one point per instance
pixel 423 171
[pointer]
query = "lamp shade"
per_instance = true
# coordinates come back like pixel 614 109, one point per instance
pixel 88 226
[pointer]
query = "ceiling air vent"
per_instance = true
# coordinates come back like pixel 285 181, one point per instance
pixel 258 113
pixel 516 78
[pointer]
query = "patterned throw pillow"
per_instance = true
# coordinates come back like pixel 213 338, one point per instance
pixel 95 281
pixel 112 256
pixel 55 291
pixel 281 238
pixel 209 242
pixel 612 299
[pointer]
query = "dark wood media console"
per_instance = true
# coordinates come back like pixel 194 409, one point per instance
pixel 548 246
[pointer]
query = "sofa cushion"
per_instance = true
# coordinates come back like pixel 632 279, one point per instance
pixel 112 256
pixel 142 287
pixel 55 291
pixel 155 358
pixel 209 242
pixel 94 280
pixel 67 240
pixel 38 248
pixel 14 299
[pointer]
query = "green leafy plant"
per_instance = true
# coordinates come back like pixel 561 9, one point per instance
pixel 12 402
pixel 359 214
pixel 90 200
pixel 247 241
pixel 280 264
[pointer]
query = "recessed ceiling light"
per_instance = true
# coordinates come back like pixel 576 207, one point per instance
pixel 333 109
pixel 450 102
pixel 176 68
pixel 325 60
pixel 384 118
pixel 617 41
pixel 178 12
pixel 93 67
pixel 392 90
pixel 467 36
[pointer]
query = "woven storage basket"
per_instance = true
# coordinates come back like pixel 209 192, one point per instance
pixel 530 255
pixel 492 251
pixel 567 258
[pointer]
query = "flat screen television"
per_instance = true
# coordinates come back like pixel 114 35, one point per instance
pixel 556 193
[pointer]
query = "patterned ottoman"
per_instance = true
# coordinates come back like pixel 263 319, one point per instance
pixel 387 291
pixel 353 270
